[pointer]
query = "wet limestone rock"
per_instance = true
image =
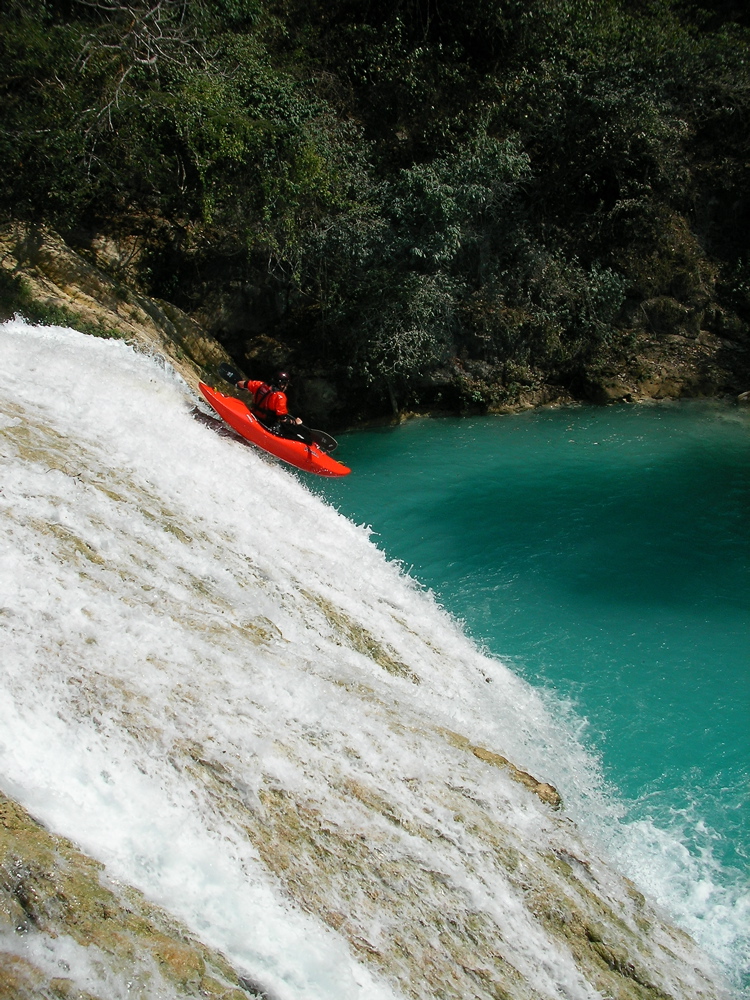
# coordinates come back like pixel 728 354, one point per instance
pixel 55 276
pixel 546 792
pixel 57 903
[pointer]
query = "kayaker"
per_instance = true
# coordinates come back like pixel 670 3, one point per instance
pixel 270 407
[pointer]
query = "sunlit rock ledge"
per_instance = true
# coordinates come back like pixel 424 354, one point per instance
pixel 59 279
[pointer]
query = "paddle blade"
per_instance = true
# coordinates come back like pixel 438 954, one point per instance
pixel 229 374
pixel 324 441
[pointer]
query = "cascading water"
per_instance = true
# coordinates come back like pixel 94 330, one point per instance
pixel 605 553
pixel 216 685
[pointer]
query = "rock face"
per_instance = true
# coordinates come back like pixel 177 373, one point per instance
pixel 58 278
pixel 67 932
pixel 684 363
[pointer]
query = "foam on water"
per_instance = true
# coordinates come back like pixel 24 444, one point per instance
pixel 605 552
pixel 155 607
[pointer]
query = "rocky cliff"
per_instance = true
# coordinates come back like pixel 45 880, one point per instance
pixel 54 283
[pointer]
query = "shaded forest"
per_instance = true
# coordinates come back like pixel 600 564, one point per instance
pixel 416 205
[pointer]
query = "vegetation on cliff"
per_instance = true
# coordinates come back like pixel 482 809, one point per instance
pixel 429 206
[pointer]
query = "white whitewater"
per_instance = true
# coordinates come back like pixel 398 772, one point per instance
pixel 190 636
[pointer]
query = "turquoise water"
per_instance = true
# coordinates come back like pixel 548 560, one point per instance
pixel 605 555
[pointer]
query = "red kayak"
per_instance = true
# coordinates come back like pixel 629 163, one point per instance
pixel 308 457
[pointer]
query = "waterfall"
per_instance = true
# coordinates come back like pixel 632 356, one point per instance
pixel 217 686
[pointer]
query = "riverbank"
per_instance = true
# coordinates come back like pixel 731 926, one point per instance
pixel 660 351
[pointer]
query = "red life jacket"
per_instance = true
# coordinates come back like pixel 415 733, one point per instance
pixel 269 404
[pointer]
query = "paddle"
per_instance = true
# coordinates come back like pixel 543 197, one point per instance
pixel 324 441
pixel 229 374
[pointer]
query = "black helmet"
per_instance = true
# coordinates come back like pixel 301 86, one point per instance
pixel 281 379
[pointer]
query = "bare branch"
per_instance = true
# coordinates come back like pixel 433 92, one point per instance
pixel 150 34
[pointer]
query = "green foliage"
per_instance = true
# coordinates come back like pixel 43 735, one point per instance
pixel 157 118
pixel 545 310
pixel 236 15
pixel 406 336
pixel 392 270
pixel 486 180
pixel 39 137
pixel 451 205
pixel 736 286
pixel 450 263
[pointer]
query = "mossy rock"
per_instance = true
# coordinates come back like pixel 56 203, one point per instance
pixel 51 890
